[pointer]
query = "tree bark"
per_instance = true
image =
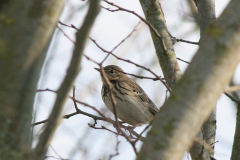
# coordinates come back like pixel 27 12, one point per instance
pixel 72 72
pixel 166 56
pixel 236 143
pixel 194 96
pixel 26 27
pixel 203 149
pixel 206 13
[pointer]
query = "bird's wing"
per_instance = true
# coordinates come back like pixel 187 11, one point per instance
pixel 139 94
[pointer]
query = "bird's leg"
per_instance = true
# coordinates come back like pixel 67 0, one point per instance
pixel 132 128
pixel 122 122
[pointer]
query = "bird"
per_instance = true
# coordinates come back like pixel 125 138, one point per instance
pixel 133 106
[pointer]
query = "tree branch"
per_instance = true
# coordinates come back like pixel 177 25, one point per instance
pixel 26 29
pixel 236 143
pixel 165 53
pixel 55 116
pixel 206 14
pixel 232 88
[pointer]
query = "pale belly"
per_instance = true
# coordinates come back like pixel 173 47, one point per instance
pixel 128 110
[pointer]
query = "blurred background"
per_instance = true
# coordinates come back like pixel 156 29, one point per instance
pixel 74 139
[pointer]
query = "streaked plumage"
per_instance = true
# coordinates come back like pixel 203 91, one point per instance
pixel 133 105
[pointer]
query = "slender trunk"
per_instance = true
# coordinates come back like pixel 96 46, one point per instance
pixel 72 72
pixel 236 142
pixel 163 46
pixel 26 27
pixel 203 148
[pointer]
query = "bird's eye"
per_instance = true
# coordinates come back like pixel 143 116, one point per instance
pixel 111 71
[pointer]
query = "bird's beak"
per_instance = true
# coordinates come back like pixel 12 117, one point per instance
pixel 97 69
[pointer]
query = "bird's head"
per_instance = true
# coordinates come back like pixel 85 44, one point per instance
pixel 113 72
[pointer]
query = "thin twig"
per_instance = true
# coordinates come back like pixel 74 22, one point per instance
pixel 129 35
pixel 232 88
pixel 65 34
pixel 182 40
pixel 134 29
pixel 54 158
pixel 104 128
pixel 60 157
pixel 67 116
pixel 132 12
pixel 146 22
pixel 231 97
pixel 140 136
pixel 183 60
pixel 72 26
pixel 112 97
pixel 74 102
pixel 116 149
pixel 141 18
pixel 132 132
pixel 121 134
pixel 141 77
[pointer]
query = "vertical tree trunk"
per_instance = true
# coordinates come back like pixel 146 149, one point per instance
pixel 72 72
pixel 203 148
pixel 26 27
pixel 206 13
pixel 163 46
pixel 236 143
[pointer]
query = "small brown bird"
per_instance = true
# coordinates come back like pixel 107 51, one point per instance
pixel 132 103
